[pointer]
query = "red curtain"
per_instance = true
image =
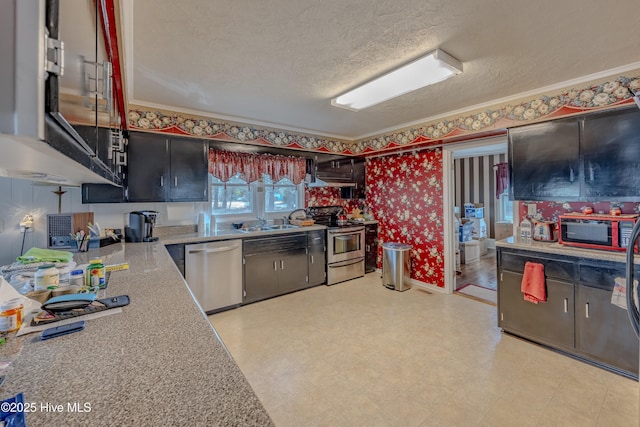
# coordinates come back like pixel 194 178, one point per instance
pixel 225 164
pixel 502 178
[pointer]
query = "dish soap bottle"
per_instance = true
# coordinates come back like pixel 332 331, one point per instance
pixel 525 229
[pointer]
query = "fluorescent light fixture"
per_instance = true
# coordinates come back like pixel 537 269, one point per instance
pixel 434 67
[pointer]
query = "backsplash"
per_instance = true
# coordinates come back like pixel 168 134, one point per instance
pixel 330 196
pixel 551 210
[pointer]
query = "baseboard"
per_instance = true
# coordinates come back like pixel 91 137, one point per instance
pixel 427 286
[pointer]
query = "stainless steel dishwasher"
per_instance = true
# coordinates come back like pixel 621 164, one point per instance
pixel 213 272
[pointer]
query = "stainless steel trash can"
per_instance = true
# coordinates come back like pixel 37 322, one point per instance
pixel 396 266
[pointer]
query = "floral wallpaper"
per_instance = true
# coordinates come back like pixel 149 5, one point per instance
pixel 597 95
pixel 550 211
pixel 404 193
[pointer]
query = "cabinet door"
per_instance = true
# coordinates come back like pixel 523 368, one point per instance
pixel 317 265
pixel 292 270
pixel 340 169
pixel 188 177
pixel 603 330
pixel 359 178
pixel 102 193
pixel 260 277
pixel 371 247
pixel 611 152
pixel 549 323
pixel 148 167
pixel 544 161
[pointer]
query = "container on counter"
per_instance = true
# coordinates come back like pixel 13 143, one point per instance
pixel 11 315
pixel 76 278
pixel 525 229
pixel 95 277
pixel 45 277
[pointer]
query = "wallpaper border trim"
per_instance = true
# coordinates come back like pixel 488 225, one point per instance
pixel 601 94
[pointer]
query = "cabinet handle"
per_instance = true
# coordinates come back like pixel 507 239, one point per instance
pixel 86 193
pixel 571 175
pixel 162 181
pixel 275 266
pixel 586 310
pixel 311 259
pixel 175 181
pixel 367 248
pixel 591 174
pixel 566 305
pixel 281 264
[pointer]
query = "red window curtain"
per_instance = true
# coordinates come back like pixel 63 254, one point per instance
pixel 502 178
pixel 225 164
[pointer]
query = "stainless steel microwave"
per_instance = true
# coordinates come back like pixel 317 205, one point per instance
pixel 594 231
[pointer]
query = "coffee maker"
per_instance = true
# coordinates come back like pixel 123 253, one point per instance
pixel 140 227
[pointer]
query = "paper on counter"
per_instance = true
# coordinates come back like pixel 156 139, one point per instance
pixel 8 292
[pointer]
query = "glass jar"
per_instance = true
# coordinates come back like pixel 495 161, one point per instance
pixel 46 276
pixel 76 278
pixel 11 315
pixel 95 277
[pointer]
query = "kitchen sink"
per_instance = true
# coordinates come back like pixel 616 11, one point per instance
pixel 268 228
pixel 282 226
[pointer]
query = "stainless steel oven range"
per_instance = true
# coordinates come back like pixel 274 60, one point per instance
pixel 345 245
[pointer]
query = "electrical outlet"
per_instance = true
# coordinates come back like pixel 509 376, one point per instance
pixel 532 209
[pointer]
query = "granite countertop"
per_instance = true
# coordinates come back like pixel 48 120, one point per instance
pixel 558 249
pixel 159 362
pixel 226 234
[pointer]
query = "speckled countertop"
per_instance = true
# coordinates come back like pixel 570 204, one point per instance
pixel 558 249
pixel 159 362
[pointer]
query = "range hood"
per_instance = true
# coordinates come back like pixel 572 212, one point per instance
pixel 330 183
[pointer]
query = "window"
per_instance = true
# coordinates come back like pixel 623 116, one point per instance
pixel 504 207
pixel 281 196
pixel 265 199
pixel 233 197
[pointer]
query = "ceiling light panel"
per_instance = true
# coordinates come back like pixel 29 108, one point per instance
pixel 434 67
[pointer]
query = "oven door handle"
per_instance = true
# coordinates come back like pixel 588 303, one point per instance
pixel 345 265
pixel 353 231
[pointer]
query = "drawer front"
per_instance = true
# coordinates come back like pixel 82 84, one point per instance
pixel 274 243
pixel 563 270
pixel 600 274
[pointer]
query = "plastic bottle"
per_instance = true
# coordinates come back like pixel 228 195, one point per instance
pixel 76 278
pixel 95 277
pixel 11 315
pixel 46 276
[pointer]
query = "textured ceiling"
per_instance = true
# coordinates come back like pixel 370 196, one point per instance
pixel 281 61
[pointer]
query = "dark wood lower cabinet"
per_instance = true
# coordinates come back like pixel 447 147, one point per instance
pixel 578 317
pixel 276 265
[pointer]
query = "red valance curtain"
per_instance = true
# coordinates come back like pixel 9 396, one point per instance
pixel 502 178
pixel 225 164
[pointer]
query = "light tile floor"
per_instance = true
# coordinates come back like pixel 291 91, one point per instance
pixel 357 354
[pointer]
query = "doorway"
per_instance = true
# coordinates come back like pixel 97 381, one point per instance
pixel 470 178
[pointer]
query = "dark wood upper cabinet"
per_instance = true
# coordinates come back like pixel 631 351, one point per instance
pixel 544 161
pixel 189 168
pixel 148 167
pixel 163 169
pixel 611 156
pixel 590 158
